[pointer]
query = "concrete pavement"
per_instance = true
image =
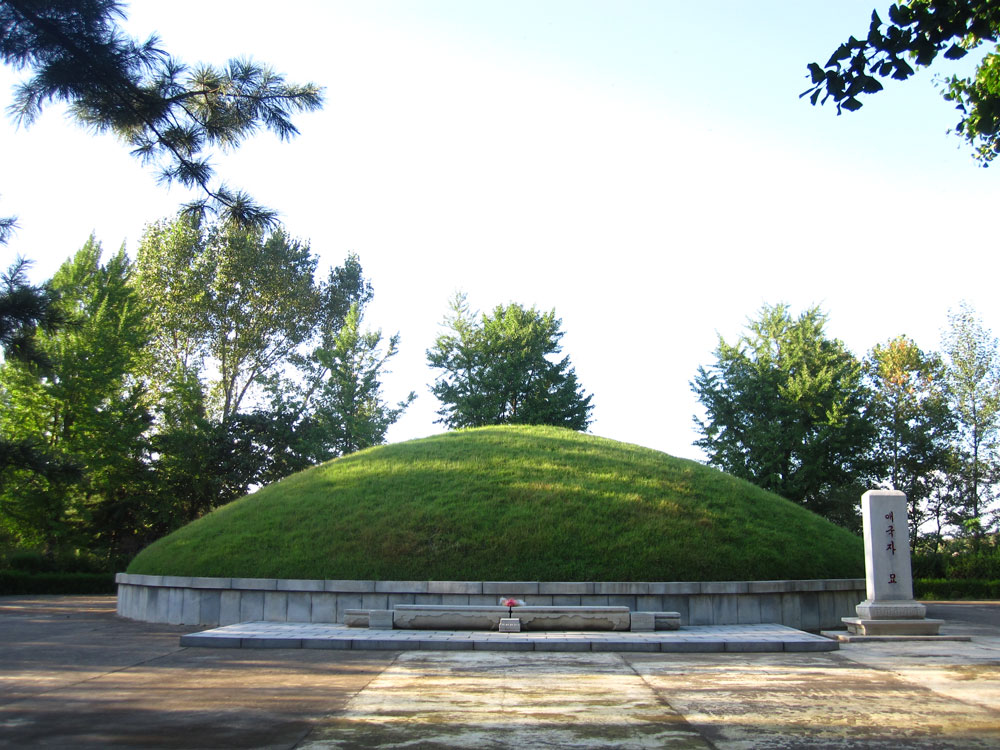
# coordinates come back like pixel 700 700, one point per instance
pixel 74 675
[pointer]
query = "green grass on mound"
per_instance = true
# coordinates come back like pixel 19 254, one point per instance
pixel 509 503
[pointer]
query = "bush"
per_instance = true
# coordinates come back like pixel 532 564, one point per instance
pixel 975 565
pixel 69 561
pixel 951 588
pixel 959 560
pixel 19 582
pixel 929 565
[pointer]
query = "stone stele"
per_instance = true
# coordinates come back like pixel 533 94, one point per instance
pixel 890 608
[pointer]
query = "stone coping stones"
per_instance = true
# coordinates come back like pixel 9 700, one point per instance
pixel 499 588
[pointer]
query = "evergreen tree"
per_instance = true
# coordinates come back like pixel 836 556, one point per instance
pixel 169 114
pixel 24 309
pixel 7 226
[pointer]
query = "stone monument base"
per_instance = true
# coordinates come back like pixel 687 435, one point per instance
pixel 884 626
pixel 891 609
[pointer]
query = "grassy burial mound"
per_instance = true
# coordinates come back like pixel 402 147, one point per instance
pixel 509 503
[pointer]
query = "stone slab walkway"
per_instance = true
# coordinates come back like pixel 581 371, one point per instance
pixel 465 700
pixel 704 639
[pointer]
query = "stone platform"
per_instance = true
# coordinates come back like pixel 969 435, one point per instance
pixel 698 639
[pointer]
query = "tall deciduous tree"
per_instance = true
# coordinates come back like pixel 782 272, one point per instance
pixel 342 412
pixel 349 408
pixel 86 408
pixel 918 31
pixel 169 114
pixel 784 409
pixel 913 422
pixel 973 376
pixel 243 300
pixel 215 363
pixel 260 369
pixel 333 403
pixel 502 369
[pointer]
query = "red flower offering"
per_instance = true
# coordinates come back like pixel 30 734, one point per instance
pixel 510 603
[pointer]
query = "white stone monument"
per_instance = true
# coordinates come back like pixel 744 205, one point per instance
pixel 890 608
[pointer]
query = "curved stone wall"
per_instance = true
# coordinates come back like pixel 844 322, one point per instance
pixel 808 605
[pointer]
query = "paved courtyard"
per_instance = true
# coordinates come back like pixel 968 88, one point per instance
pixel 72 674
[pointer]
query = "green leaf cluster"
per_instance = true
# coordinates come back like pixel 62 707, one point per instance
pixel 242 299
pixel 915 427
pixel 168 386
pixel 501 369
pixel 84 409
pixel 784 409
pixel 973 383
pixel 793 411
pixel 918 31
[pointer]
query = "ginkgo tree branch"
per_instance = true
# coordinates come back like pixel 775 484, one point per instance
pixel 918 32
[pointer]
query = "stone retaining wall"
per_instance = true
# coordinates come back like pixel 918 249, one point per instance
pixel 808 605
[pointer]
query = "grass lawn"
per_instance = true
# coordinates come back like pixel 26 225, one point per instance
pixel 509 503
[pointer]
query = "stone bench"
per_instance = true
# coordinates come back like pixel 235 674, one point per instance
pixel 473 617
pixel 448 617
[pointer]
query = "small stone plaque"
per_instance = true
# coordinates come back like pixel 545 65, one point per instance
pixel 510 625
pixel 642 621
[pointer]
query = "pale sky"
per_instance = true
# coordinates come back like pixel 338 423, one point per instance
pixel 644 168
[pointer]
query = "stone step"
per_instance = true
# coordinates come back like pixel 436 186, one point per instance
pixel 702 639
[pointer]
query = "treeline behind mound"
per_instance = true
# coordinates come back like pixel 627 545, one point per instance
pixel 509 503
